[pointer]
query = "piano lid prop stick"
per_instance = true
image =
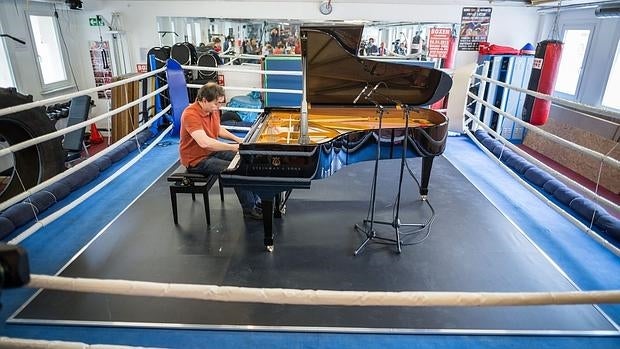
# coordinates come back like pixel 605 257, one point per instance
pixel 303 122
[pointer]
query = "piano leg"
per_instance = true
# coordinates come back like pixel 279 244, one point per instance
pixel 267 204
pixel 427 164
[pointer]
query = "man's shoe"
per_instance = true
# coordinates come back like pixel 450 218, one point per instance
pixel 254 213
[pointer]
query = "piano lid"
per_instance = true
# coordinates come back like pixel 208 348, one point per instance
pixel 336 75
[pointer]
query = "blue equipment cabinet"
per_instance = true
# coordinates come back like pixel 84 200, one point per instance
pixel 513 70
pixel 288 63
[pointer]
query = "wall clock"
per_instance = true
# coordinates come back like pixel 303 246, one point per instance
pixel 325 7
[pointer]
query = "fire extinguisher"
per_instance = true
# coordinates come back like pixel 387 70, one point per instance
pixel 542 79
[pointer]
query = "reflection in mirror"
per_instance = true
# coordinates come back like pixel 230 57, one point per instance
pixel 236 36
pixel 401 40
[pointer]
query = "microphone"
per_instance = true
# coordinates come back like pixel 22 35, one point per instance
pixel 375 88
pixel 360 94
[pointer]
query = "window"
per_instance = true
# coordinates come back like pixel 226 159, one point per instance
pixel 174 34
pixel 48 50
pixel 198 34
pixel 571 64
pixel 189 37
pixel 611 98
pixel 6 76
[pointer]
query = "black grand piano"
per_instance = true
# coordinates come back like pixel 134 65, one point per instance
pixel 338 121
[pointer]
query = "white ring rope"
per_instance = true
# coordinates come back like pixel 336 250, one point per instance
pixel 261 72
pixel 321 297
pixel 242 109
pixel 17 343
pixel 15 199
pixel 52 135
pixel 259 89
pixel 611 247
pixel 594 154
pixel 247 56
pixel 564 102
pixel 22 107
pixel 52 217
pixel 530 158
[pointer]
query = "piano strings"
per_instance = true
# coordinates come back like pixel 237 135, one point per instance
pixel 326 123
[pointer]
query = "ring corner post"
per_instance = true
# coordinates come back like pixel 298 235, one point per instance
pixel 177 89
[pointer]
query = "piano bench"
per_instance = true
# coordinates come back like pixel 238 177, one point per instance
pixel 193 183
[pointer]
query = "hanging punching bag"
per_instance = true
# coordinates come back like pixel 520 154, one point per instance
pixel 447 63
pixel 542 79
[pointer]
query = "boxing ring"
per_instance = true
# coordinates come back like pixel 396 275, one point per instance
pixel 485 270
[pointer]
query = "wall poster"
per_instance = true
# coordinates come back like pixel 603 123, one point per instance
pixel 102 66
pixel 474 27
pixel 439 42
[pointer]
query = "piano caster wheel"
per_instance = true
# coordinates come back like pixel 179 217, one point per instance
pixel 269 248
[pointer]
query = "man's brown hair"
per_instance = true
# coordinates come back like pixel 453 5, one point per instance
pixel 210 91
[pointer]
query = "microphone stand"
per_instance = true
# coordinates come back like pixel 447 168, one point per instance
pixel 13 38
pixel 370 231
pixel 368 224
pixel 395 223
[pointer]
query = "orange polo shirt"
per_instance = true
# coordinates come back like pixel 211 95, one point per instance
pixel 192 119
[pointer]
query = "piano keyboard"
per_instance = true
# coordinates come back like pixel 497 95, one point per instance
pixel 233 164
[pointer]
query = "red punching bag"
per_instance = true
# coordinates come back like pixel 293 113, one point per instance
pixel 544 73
pixel 448 62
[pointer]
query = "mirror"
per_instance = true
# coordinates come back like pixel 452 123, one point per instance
pixel 391 40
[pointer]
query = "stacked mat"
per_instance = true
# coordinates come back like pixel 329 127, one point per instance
pixel 25 211
pixel 585 209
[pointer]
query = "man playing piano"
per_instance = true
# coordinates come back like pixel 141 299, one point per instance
pixel 200 149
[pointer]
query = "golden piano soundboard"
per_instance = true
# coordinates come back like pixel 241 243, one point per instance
pixel 325 124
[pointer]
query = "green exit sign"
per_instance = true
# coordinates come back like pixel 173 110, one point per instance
pixel 96 21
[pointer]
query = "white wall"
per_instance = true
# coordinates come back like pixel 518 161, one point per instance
pixel 510 25
pixel 13 16
pixel 598 62
pixel 76 32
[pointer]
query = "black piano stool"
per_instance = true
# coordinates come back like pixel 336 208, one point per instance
pixel 186 182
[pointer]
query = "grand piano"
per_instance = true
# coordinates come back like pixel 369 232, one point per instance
pixel 338 121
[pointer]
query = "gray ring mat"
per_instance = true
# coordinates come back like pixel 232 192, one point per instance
pixel 472 247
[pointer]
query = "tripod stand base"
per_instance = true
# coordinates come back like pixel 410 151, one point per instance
pixel 370 236
pixel 367 228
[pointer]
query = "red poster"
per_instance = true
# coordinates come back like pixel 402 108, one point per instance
pixel 438 42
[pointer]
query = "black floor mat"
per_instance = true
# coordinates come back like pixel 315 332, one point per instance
pixel 472 247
